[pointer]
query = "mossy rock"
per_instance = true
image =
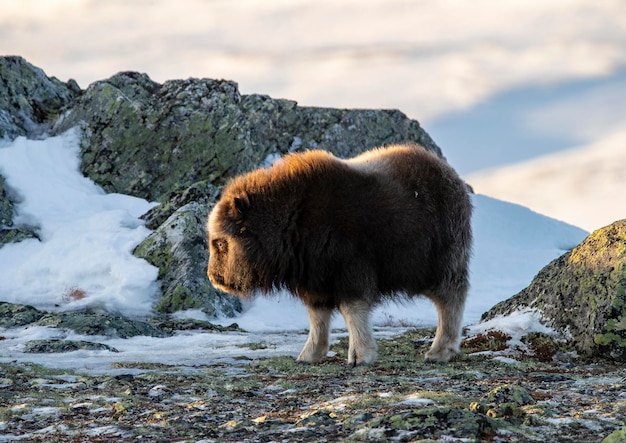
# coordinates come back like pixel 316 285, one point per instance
pixel 202 192
pixel 435 423
pixel 146 139
pixel 170 324
pixel 99 324
pixel 57 346
pixel 6 206
pixel 515 394
pixel 14 315
pixel 16 235
pixel 30 101
pixel 178 248
pixel 582 294
pixel 618 436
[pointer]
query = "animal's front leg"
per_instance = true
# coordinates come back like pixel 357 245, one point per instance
pixel 362 347
pixel 316 346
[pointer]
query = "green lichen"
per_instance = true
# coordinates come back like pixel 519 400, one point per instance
pixel 613 336
pixel 177 299
pixel 515 394
pixel 610 339
pixel 157 253
pixel 583 294
pixel 436 422
pixel 14 315
pixel 178 249
pixel 56 346
pixel 618 436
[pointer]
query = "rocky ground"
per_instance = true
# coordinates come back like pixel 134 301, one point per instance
pixel 536 391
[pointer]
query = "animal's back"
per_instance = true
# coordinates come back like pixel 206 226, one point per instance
pixel 427 237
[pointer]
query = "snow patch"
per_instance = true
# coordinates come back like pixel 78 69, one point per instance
pixel 84 258
pixel 517 324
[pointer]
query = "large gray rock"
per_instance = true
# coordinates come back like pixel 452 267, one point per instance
pixel 30 101
pixel 583 294
pixel 178 248
pixel 13 315
pixel 149 139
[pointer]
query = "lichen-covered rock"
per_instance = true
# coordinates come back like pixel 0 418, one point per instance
pixel 429 423
pixel 510 394
pixel 618 436
pixel 201 192
pixel 178 248
pixel 14 315
pixel 169 324
pixel 583 294
pixel 16 235
pixel 109 325
pixel 504 402
pixel 9 233
pixel 30 103
pixel 30 100
pixel 6 206
pixel 146 139
pixel 56 346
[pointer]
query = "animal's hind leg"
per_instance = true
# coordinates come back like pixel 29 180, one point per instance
pixel 317 344
pixel 448 336
pixel 362 347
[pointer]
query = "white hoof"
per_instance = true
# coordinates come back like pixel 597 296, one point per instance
pixel 312 355
pixel 441 355
pixel 363 356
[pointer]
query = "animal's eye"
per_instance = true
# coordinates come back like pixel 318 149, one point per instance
pixel 220 245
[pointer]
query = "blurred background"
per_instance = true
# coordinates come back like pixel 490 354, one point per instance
pixel 526 98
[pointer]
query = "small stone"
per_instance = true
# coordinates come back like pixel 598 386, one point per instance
pixel 510 394
pixel 158 391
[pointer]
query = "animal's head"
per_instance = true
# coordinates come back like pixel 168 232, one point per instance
pixel 249 243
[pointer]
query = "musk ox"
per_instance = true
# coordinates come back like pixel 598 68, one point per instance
pixel 346 235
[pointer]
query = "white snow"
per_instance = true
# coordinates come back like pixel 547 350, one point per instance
pixel 517 324
pixel 87 237
pixel 84 258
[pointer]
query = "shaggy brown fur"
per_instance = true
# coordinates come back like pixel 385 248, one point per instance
pixel 347 234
